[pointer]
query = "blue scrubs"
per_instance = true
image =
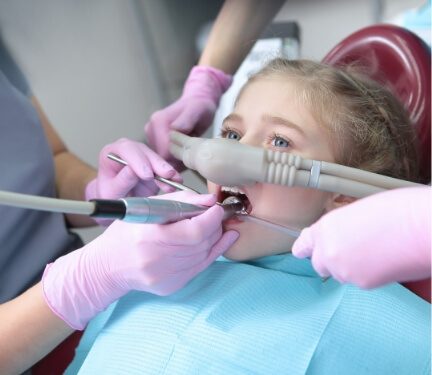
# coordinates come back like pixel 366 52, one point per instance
pixel 28 239
pixel 271 316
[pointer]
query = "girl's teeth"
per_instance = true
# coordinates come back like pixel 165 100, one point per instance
pixel 231 189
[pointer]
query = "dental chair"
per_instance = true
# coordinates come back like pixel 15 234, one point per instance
pixel 393 56
pixel 401 61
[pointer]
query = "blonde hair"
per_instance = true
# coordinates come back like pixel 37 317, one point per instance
pixel 370 128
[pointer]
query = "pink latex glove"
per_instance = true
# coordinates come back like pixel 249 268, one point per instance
pixel 377 240
pixel 194 111
pixel 136 179
pixel 158 259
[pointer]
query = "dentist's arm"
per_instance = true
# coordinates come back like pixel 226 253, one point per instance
pixel 377 240
pixel 28 331
pixel 71 174
pixel 237 27
pixel 158 259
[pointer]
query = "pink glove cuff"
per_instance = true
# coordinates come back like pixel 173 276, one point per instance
pixel 48 286
pixel 47 300
pixel 71 294
pixel 213 82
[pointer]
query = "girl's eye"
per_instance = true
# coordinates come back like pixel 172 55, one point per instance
pixel 279 142
pixel 231 134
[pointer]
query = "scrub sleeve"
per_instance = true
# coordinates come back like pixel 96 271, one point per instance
pixel 28 239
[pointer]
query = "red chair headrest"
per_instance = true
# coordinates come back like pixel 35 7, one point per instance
pixel 402 61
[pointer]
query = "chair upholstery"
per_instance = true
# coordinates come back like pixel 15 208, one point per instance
pixel 56 362
pixel 401 61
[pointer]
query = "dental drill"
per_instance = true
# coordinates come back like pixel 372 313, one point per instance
pixel 227 162
pixel 134 210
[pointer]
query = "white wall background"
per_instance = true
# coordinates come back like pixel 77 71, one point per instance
pixel 101 67
pixel 325 22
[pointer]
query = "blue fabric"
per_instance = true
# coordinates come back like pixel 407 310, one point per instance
pixel 28 239
pixel 417 20
pixel 419 17
pixel 88 339
pixel 272 316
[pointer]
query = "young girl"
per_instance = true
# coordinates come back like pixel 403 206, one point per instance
pixel 271 313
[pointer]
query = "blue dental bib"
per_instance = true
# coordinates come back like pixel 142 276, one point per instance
pixel 271 316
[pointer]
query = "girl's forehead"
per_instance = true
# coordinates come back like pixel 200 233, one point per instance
pixel 274 94
pixel 276 86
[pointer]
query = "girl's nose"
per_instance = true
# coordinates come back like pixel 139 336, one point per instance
pixel 251 139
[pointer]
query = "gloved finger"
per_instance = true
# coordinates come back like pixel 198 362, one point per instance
pixel 196 254
pixel 339 278
pixel 144 189
pixel 204 122
pixel 191 232
pixel 165 187
pixel 120 185
pixel 319 266
pixel 226 241
pixel 107 167
pixel 158 165
pixel 186 264
pixel 151 135
pixel 304 245
pixel 183 263
pixel 187 119
pixel 157 129
pixel 160 121
pixel 125 149
pixel 165 116
pixel 141 159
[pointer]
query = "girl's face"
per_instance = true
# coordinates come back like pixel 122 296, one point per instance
pixel 268 115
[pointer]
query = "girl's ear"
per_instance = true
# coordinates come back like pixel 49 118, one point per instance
pixel 338 200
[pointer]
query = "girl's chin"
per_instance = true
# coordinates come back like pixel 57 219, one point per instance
pixel 255 241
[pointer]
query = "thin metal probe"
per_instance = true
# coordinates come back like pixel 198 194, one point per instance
pixel 174 184
pixel 277 227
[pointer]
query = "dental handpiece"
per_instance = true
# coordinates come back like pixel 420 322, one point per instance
pixel 158 211
pixel 136 210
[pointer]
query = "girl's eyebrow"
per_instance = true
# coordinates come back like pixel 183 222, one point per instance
pixel 268 119
pixel 282 121
pixel 233 117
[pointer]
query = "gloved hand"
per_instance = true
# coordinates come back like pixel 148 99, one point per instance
pixel 194 111
pixel 136 179
pixel 158 259
pixel 377 240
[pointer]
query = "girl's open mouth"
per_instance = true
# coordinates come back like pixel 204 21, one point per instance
pixel 224 192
